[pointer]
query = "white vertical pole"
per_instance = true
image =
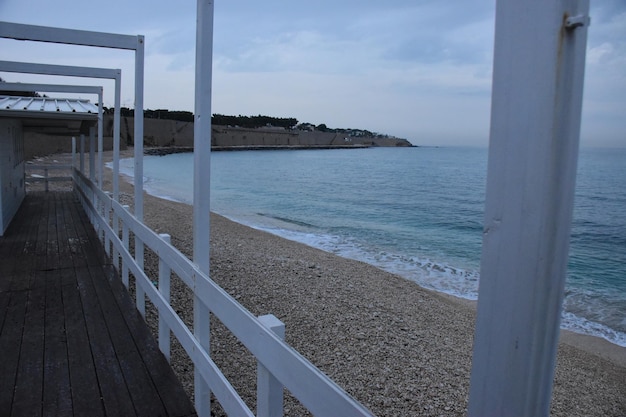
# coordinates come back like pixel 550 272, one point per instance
pixel 535 126
pixel 201 180
pixel 165 274
pixel 138 143
pixel 73 152
pixel 116 137
pixel 82 153
pixel 100 142
pixel 126 244
pixel 116 159
pixel 92 154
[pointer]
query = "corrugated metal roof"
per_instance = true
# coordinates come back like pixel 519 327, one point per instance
pixel 45 104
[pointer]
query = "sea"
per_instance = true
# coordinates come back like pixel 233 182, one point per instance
pixel 416 212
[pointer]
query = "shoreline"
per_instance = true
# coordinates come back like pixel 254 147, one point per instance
pixel 162 151
pixel 391 344
pixel 592 343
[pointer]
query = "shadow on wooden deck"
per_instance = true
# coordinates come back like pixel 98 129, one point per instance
pixel 71 340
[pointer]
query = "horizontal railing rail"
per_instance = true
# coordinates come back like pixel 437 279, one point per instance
pixel 46 178
pixel 316 391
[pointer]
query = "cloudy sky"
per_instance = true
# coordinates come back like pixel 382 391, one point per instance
pixel 418 69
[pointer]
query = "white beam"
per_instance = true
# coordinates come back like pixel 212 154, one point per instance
pixel 52 88
pixel 138 148
pixel 535 125
pixel 51 69
pixel 67 36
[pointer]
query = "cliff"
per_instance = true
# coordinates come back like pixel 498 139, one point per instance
pixel 171 133
pixel 168 133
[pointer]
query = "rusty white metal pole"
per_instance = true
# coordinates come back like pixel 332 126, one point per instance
pixel 538 77
pixel 201 182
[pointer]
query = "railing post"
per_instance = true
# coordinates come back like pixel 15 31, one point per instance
pixel 45 176
pixel 165 274
pixel 107 211
pixel 269 390
pixel 139 291
pixel 125 242
pixel 82 153
pixel 73 152
pixel 116 228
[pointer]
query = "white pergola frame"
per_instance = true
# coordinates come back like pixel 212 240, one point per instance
pixel 74 89
pixel 134 43
pixel 88 72
pixel 103 40
pixel 535 128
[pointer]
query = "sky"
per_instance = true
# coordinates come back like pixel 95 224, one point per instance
pixel 416 69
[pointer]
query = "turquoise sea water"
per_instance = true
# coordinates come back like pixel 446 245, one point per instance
pixel 416 212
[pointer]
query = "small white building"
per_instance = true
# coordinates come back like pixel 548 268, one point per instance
pixel 62 117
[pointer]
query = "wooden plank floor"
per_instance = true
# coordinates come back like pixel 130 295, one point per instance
pixel 71 340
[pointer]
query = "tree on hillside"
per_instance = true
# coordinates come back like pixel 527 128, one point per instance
pixel 322 127
pixel 254 122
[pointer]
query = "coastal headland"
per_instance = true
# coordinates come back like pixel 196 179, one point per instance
pixel 177 134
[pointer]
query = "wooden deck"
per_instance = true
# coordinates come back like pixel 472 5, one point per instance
pixel 71 341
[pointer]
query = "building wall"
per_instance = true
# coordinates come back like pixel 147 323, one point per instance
pixel 12 189
pixel 40 144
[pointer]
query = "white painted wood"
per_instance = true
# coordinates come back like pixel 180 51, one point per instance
pixel 269 389
pixel 100 142
pixel 140 294
pixel 98 39
pixel 116 154
pixel 52 88
pixel 202 173
pixel 309 385
pixel 67 36
pixel 105 211
pixel 535 122
pixel 116 137
pixel 92 154
pixel 165 274
pixel 82 154
pixel 202 134
pixel 50 69
pixel 226 394
pixel 125 246
pixel 73 152
pixel 138 152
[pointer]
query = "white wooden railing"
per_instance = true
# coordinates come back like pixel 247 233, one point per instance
pixel 46 178
pixel 279 365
